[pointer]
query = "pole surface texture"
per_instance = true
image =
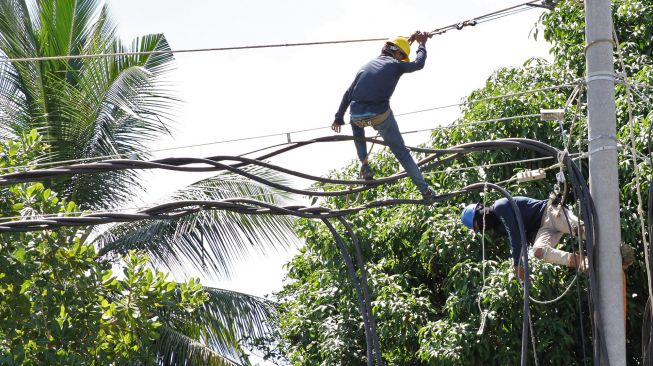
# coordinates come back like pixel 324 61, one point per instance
pixel 604 182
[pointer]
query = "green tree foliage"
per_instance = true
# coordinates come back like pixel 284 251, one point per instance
pixel 102 107
pixel 60 305
pixel 426 270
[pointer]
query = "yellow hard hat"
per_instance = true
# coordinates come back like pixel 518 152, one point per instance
pixel 402 43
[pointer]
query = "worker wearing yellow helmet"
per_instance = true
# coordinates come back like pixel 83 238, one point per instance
pixel 368 100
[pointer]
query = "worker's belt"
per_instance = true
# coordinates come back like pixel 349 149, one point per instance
pixel 371 121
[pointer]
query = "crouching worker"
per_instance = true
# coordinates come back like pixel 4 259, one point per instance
pixel 368 98
pixel 545 221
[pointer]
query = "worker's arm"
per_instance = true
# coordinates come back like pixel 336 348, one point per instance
pixel 344 104
pixel 504 212
pixel 420 59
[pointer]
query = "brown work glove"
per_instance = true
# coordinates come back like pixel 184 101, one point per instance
pixel 627 255
pixel 519 272
pixel 579 261
pixel 420 37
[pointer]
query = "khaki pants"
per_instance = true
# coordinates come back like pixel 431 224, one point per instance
pixel 554 224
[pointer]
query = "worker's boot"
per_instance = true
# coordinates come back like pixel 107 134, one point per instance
pixel 428 197
pixel 366 172
pixel 578 261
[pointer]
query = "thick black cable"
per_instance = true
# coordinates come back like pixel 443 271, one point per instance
pixel 581 191
pixel 178 209
pixel 647 316
pixel 362 302
pixel 366 290
pixel 524 255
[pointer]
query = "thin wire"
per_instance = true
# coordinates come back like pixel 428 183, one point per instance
pixel 475 167
pixel 563 294
pixel 533 340
pixel 101 157
pixel 484 312
pixel 554 166
pixel 459 25
pixel 503 96
pixel 633 148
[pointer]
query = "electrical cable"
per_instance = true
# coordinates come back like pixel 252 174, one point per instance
pixel 362 301
pixel 484 312
pixel 480 19
pixel 366 290
pixel 310 190
pixel 102 157
pixel 214 164
pixel 636 169
pixel 246 206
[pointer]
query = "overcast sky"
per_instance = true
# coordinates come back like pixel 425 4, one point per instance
pixel 245 93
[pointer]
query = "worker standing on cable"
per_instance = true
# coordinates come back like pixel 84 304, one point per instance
pixel 545 221
pixel 368 98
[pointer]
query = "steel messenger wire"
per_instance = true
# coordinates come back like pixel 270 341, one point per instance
pixel 456 26
pixel 178 209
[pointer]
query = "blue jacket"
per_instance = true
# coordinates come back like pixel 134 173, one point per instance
pixel 531 212
pixel 374 84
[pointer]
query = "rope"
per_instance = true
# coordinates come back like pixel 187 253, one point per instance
pixel 548 302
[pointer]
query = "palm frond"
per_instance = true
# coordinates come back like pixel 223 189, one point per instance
pixel 224 319
pixel 175 348
pixel 211 242
pixel 248 316
pixel 84 107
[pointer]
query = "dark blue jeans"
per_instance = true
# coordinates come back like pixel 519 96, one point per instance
pixel 389 130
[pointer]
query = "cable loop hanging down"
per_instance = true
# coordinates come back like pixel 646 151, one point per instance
pixel 173 210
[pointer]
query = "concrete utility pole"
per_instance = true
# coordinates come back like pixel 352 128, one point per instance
pixel 604 180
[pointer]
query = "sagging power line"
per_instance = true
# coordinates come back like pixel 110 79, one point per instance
pixel 288 133
pixel 455 26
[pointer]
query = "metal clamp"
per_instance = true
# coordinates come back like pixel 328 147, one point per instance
pixel 617 147
pixel 604 137
pixel 600 40
pixel 601 75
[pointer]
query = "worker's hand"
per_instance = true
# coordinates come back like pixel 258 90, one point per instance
pixel 421 37
pixel 577 260
pixel 411 39
pixel 335 126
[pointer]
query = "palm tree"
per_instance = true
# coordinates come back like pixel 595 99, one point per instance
pixel 115 106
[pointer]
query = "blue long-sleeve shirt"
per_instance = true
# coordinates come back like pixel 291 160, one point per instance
pixel 374 84
pixel 531 211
